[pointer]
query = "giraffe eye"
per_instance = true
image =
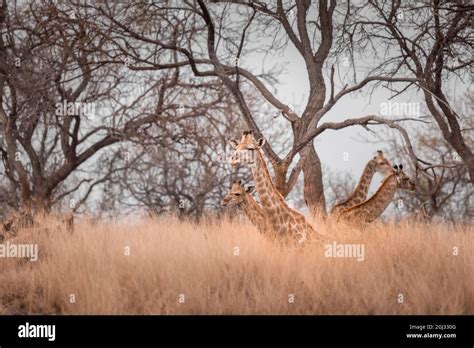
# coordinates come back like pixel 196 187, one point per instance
pixel 237 193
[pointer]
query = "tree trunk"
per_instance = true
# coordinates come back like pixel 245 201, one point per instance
pixel 37 204
pixel 280 178
pixel 313 181
pixel 467 156
pixel 43 204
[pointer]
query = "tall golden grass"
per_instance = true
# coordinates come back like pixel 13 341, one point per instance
pixel 168 259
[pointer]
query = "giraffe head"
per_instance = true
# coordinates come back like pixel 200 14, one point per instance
pixel 403 181
pixel 237 193
pixel 245 150
pixel 382 164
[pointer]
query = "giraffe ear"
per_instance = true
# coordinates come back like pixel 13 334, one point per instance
pixel 249 189
pixel 233 143
pixel 261 142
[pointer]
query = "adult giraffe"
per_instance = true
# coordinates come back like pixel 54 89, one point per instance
pixel 372 208
pixel 282 220
pixel 377 164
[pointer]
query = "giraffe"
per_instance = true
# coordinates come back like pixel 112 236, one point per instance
pixel 281 219
pixel 372 208
pixel 377 164
pixel 241 196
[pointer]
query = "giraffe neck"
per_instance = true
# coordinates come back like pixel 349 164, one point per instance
pixel 360 193
pixel 279 217
pixel 252 210
pixel 270 198
pixel 362 187
pixel 382 198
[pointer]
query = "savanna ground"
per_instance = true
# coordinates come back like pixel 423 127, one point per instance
pixel 146 266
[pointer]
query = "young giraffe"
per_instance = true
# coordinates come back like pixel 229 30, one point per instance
pixel 377 164
pixel 282 220
pixel 241 197
pixel 374 207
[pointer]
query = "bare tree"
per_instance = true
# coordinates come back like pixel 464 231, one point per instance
pixel 445 191
pixel 186 173
pixel 55 66
pixel 210 39
pixel 419 45
pixel 138 64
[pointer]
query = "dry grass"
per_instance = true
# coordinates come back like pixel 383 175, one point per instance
pixel 169 258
